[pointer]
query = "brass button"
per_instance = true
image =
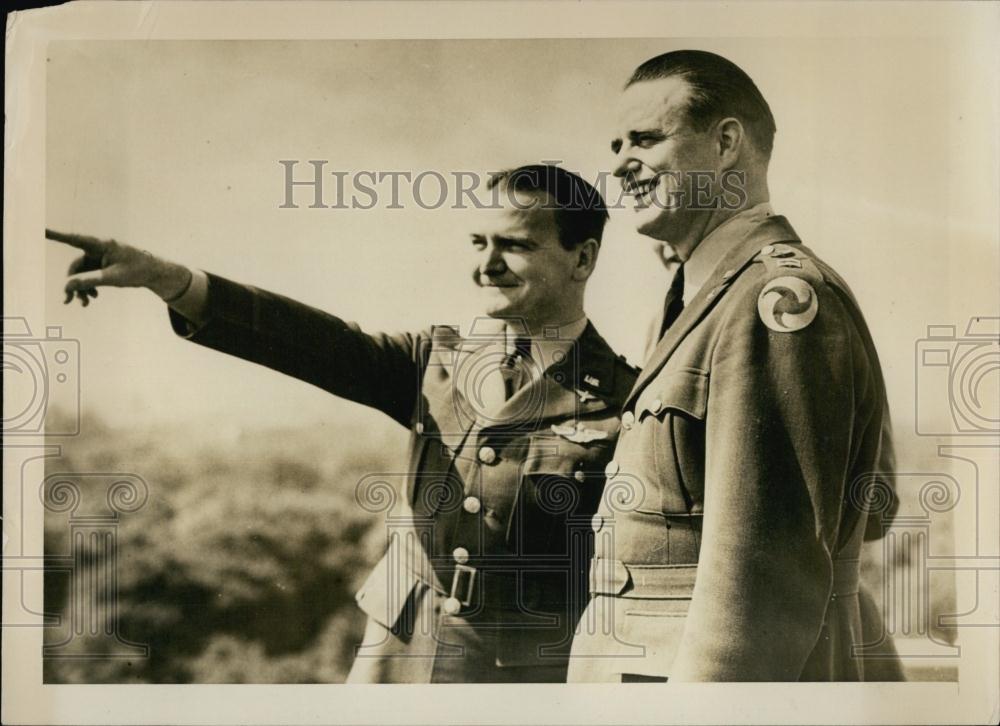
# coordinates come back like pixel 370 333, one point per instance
pixel 472 505
pixel 461 555
pixel 579 476
pixel 655 405
pixel 487 455
pixel 452 606
pixel 597 522
pixel 612 468
pixel 419 428
pixel 628 418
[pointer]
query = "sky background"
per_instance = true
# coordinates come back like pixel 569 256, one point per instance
pixel 882 163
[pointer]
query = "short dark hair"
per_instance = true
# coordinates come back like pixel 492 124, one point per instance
pixel 719 88
pixel 578 208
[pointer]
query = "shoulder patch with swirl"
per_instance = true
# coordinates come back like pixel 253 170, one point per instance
pixel 787 304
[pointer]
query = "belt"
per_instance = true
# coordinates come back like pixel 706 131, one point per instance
pixel 676 582
pixel 477 587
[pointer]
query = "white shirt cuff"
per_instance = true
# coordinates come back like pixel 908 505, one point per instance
pixel 192 303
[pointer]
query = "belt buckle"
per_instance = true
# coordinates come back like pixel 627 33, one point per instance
pixel 456 579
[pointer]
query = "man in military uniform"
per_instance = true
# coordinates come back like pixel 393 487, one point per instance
pixel 744 480
pixel 512 427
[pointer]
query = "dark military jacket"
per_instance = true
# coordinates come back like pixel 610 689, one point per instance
pixel 485 570
pixel 744 481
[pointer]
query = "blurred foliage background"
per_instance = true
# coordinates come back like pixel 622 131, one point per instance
pixel 242 564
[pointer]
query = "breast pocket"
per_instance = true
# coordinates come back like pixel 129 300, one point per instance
pixel 559 487
pixel 670 413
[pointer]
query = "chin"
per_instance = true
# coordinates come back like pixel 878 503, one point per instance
pixel 495 312
pixel 497 309
pixel 656 225
pixel 650 228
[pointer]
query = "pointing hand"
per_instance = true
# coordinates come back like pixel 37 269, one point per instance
pixel 106 262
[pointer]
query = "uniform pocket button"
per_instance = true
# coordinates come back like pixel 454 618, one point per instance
pixel 452 606
pixel 579 476
pixel 472 505
pixel 628 419
pixel 487 455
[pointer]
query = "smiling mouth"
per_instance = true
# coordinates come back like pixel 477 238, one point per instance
pixel 642 191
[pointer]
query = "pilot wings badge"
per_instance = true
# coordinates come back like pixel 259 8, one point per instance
pixel 578 434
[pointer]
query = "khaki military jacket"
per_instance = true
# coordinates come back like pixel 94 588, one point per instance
pixel 486 565
pixel 744 481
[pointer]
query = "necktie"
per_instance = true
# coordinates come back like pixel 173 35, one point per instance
pixel 673 303
pixel 514 366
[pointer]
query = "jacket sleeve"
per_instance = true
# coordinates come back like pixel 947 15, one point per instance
pixel 779 440
pixel 375 370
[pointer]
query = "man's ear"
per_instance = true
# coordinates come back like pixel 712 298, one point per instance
pixel 586 259
pixel 730 139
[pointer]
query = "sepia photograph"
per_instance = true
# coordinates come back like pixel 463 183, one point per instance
pixel 543 359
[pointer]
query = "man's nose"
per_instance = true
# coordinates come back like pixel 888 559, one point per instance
pixel 626 165
pixel 492 263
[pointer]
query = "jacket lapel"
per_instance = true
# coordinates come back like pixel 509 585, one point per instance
pixel 748 237
pixel 449 383
pixel 582 383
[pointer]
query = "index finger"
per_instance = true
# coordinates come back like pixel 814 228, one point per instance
pixel 90 245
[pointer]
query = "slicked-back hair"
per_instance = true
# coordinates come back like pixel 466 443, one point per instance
pixel 578 208
pixel 719 89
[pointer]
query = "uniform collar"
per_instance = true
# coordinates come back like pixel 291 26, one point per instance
pixel 580 382
pixel 745 236
pixel 552 345
pixel 710 251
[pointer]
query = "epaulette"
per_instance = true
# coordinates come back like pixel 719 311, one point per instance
pixel 623 361
pixel 788 300
pixel 782 259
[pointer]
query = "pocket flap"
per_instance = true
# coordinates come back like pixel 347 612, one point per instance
pixel 684 390
pixel 387 591
pixel 555 453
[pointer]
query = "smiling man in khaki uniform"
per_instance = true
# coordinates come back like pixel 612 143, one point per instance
pixel 512 425
pixel 729 538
